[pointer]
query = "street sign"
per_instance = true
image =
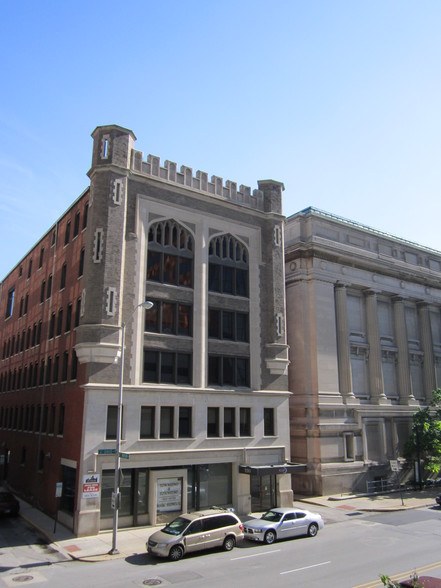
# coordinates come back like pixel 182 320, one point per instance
pixel 124 455
pixel 106 451
pixel 91 486
pixel 58 489
pixel 394 465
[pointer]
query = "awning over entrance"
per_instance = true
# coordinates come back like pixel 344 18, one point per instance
pixel 265 470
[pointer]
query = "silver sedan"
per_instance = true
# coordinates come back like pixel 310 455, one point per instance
pixel 281 523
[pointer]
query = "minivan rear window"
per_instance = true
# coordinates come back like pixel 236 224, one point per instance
pixel 218 522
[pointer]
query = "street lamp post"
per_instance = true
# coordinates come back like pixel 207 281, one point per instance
pixel 116 497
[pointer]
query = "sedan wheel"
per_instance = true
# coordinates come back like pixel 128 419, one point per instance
pixel 175 553
pixel 270 537
pixel 312 530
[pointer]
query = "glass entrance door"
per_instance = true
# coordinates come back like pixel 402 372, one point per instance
pixel 263 492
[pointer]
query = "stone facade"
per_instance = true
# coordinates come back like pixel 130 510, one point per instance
pixel 364 330
pixel 205 398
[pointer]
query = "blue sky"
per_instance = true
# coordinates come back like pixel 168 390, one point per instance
pixel 340 100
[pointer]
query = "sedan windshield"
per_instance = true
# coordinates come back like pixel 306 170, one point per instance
pixel 177 526
pixel 273 516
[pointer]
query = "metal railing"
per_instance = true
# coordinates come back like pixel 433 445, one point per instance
pixel 380 486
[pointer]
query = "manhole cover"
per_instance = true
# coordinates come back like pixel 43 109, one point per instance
pixel 152 582
pixel 24 578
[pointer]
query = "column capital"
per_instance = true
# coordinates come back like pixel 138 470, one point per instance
pixel 371 291
pixel 398 298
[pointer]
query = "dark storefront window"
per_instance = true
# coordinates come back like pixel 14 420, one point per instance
pixel 67 501
pixel 209 485
pixel 133 483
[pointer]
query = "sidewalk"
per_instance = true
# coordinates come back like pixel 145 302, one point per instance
pixel 377 502
pixel 131 542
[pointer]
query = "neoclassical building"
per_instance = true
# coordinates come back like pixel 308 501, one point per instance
pixel 364 331
pixel 205 404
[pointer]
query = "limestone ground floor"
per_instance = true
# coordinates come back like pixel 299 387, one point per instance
pixel 156 495
pixel 352 449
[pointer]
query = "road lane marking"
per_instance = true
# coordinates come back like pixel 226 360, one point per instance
pixel 323 563
pixel 256 554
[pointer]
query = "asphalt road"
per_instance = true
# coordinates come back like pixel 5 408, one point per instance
pixel 352 551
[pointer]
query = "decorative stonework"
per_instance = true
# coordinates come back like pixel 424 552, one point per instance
pixel 117 191
pixel 98 246
pixel 111 298
pixel 97 352
pixel 277 236
pixel 105 144
pixel 83 302
pixel 184 177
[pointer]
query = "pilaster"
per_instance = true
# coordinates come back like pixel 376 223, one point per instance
pixel 343 346
pixel 404 380
pixel 376 384
pixel 427 346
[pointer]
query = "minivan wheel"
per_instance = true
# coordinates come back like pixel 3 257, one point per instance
pixel 229 543
pixel 312 530
pixel 175 553
pixel 270 537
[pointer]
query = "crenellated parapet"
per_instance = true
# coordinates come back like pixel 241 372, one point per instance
pixel 184 176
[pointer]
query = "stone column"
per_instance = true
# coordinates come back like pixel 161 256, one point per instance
pixel 343 345
pixel 376 385
pixel 200 330
pixel 427 347
pixel 404 379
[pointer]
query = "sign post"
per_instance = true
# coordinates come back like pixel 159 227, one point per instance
pixel 395 467
pixel 58 495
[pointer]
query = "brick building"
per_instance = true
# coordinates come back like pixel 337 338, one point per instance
pixel 42 400
pixel 205 394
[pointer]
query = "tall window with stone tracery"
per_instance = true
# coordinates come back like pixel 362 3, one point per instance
pixel 170 254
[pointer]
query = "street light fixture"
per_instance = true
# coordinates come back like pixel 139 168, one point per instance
pixel 116 497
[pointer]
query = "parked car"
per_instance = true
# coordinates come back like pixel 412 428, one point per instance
pixel 9 505
pixel 281 523
pixel 438 499
pixel 196 531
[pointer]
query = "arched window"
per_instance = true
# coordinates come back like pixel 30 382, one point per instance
pixel 228 273
pixel 170 254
